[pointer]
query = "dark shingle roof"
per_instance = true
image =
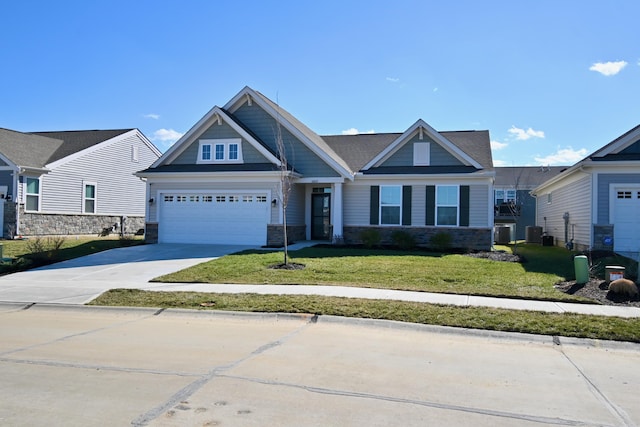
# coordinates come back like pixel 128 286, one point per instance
pixel 37 149
pixel 358 150
pixel 78 140
pixel 526 177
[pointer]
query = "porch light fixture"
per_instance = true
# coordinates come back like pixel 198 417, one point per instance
pixel 151 200
pixel 274 203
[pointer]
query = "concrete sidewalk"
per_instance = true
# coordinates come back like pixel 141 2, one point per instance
pixel 387 294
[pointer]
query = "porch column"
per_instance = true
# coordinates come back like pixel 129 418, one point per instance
pixel 336 210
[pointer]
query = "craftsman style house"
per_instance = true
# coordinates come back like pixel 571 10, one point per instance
pixel 221 182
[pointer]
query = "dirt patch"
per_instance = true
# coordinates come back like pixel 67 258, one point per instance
pixel 288 266
pixel 595 289
pixel 497 256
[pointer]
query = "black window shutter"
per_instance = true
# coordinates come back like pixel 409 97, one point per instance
pixel 464 205
pixel 406 205
pixel 374 209
pixel 431 205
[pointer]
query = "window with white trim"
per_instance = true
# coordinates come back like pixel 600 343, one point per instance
pixel 390 204
pixel 220 151
pixel 89 198
pixel 505 196
pixel 135 154
pixel 447 204
pixel 32 194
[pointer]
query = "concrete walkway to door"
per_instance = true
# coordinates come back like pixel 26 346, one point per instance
pixel 80 280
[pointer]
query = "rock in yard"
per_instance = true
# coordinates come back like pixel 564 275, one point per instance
pixel 622 288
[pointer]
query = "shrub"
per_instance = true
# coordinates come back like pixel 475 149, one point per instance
pixel 44 250
pixel 441 241
pixel 403 240
pixel 370 238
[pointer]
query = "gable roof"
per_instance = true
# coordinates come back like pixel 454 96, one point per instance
pixel 422 127
pixel 78 140
pixel 36 150
pixel 311 139
pixel 214 115
pixel 362 149
pixel 617 145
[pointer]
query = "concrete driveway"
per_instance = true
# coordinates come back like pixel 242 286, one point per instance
pixel 80 280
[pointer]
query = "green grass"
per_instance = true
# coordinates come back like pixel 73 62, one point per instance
pixel 388 269
pixel 568 325
pixel 22 257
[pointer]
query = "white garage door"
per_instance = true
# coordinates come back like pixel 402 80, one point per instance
pixel 626 211
pixel 219 218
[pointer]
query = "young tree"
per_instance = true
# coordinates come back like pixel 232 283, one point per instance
pixel 285 184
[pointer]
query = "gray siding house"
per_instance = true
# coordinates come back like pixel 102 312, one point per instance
pixel 221 182
pixel 73 182
pixel 514 206
pixel 595 204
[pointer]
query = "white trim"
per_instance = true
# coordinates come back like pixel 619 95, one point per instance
pixel 618 144
pixel 226 143
pixel 95 197
pixel 421 153
pixel 457 206
pixel 613 189
pixel 203 124
pixel 25 194
pixel 114 140
pixel 320 181
pixel 433 134
pixel 389 205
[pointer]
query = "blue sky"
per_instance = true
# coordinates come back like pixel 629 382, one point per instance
pixel 551 80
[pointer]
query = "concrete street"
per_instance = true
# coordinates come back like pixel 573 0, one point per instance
pixel 67 366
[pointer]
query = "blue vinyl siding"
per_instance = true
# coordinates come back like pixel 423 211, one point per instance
pixel 632 149
pixel 298 155
pixel 438 155
pixel 249 153
pixel 604 182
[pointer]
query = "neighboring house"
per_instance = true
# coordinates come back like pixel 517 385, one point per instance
pixel 75 182
pixel 220 183
pixel 596 202
pixel 514 206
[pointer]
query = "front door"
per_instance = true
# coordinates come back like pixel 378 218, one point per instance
pixel 321 216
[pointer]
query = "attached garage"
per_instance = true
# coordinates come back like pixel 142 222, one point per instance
pixel 238 218
pixel 626 211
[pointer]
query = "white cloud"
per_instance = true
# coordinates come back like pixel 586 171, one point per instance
pixel 151 116
pixel 563 156
pixel 166 135
pixel 608 68
pixel 354 131
pixel 393 79
pixel 523 135
pixel 497 145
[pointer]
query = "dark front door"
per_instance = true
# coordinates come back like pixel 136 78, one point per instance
pixel 321 216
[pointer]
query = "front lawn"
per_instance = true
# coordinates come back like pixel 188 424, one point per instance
pixel 387 269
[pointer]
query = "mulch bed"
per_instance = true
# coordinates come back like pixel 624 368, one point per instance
pixel 597 290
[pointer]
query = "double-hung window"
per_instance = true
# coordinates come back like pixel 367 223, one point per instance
pixel 390 204
pixel 89 197
pixel 447 204
pixel 32 194
pixel 220 151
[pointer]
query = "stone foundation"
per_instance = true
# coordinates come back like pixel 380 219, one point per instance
pixel 466 238
pixel 44 224
pixel 275 234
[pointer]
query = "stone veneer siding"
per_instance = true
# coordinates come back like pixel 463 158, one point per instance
pixel 275 234
pixel 44 224
pixel 467 238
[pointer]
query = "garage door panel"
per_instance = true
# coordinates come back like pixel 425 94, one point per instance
pixel 219 218
pixel 626 212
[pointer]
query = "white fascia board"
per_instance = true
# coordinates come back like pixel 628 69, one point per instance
pixel 431 132
pixel 331 180
pixel 148 142
pixel 9 163
pixel 238 101
pixel 618 144
pixel 94 147
pixel 457 178
pixel 215 176
pixel 567 177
